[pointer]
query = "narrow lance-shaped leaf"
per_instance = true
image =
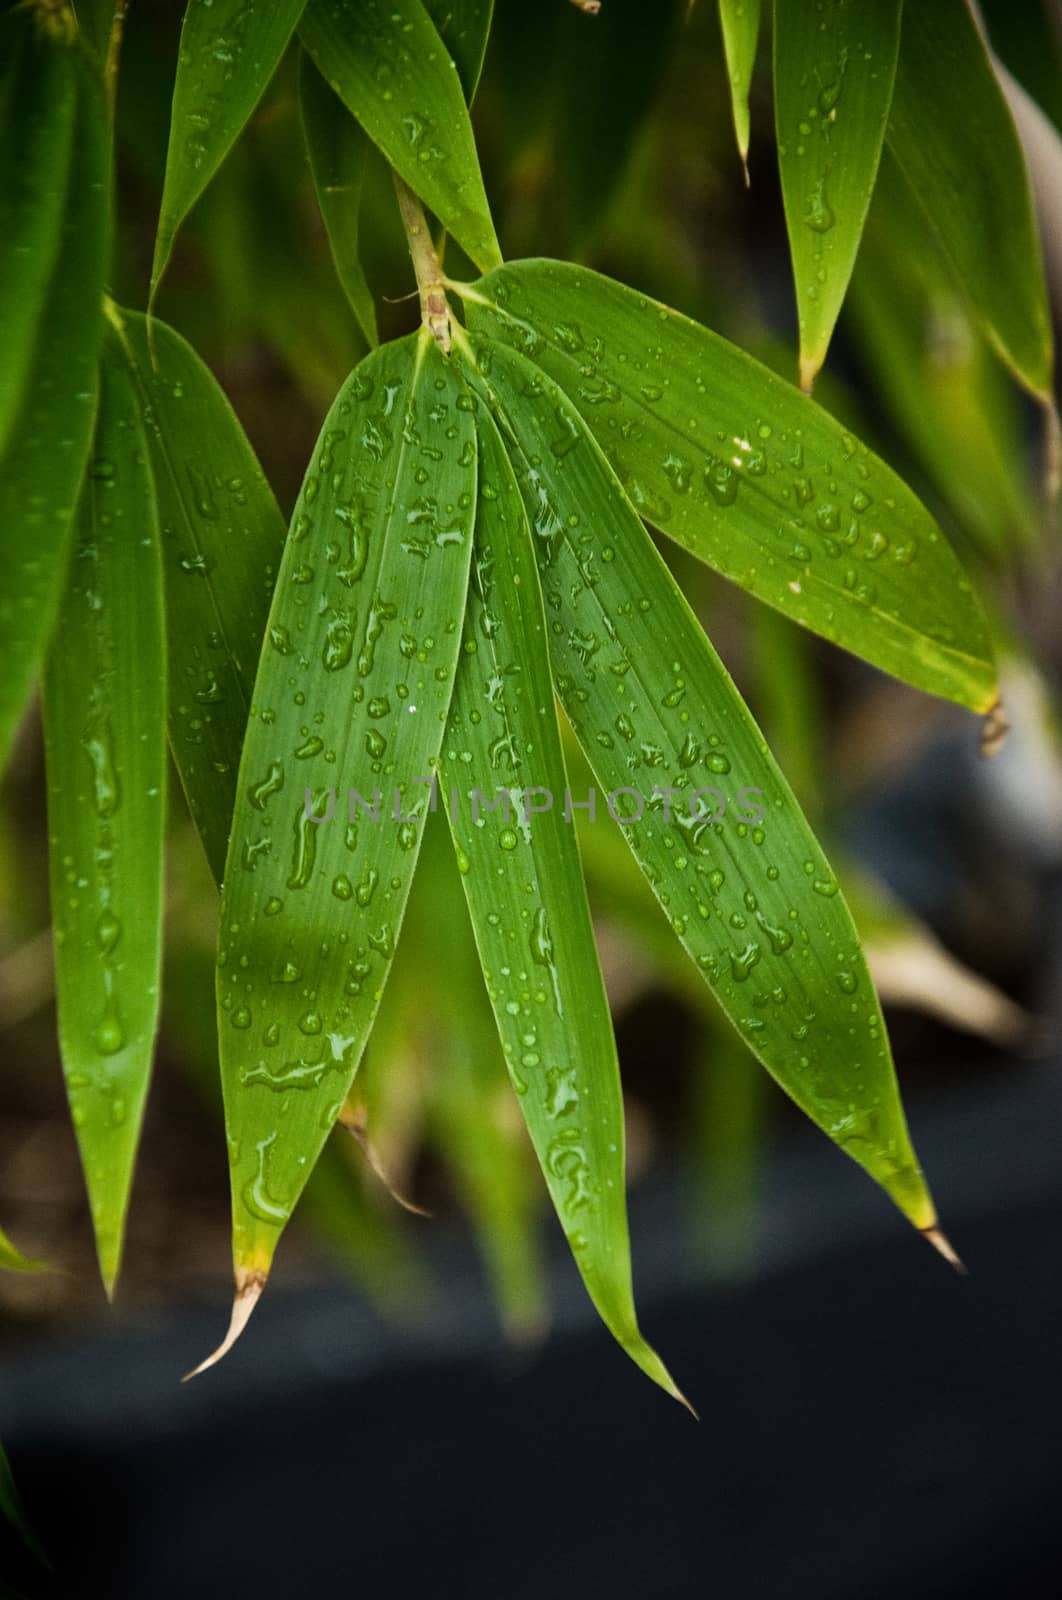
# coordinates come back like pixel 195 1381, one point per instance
pixel 386 61
pixel 953 136
pixel 351 694
pixel 834 66
pixel 464 28
pixel 337 147
pixel 12 1508
pixel 12 1259
pixel 229 51
pixel 523 883
pixel 222 538
pixel 38 109
pixel 750 475
pixel 740 22
pixel 44 457
pixel 105 741
pixel 709 816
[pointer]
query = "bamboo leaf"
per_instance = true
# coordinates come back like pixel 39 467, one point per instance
pixel 104 729
pixel 337 148
pixel 44 457
pixel 953 136
pixel 229 51
pixel 523 884
pixel 749 475
pixel 710 818
pixel 12 1259
pixel 387 63
pixel 464 28
pixel 352 690
pixel 14 1511
pixel 834 67
pixel 740 22
pixel 222 538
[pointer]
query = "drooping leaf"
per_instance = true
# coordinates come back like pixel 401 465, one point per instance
pixel 709 816
pixel 464 28
pixel 954 139
pixel 834 66
pixel 38 108
pixel 385 60
pixel 947 394
pixel 749 475
pixel 229 51
pixel 740 22
pixel 351 694
pixel 105 742
pixel 523 884
pixel 44 456
pixel 337 148
pixel 12 1259
pixel 222 538
pixel 12 1508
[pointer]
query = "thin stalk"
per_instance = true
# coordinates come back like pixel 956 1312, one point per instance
pixel 434 307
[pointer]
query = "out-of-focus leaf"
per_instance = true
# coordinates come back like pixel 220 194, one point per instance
pixel 12 1508
pixel 222 538
pixel 750 475
pixel 229 51
pixel 709 816
pixel 834 66
pixel 12 1259
pixel 44 456
pixel 523 884
pixel 946 392
pixel 352 693
pixel 105 741
pixel 337 147
pixel 740 21
pixel 954 138
pixel 464 28
pixel 387 63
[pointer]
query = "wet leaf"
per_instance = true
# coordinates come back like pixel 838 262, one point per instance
pixel 750 475
pixel 48 436
pixel 523 884
pixel 229 51
pixel 834 66
pixel 105 742
pixel 351 694
pixel 387 63
pixel 222 538
pixel 709 817
pixel 954 139
pixel 740 21
pixel 337 148
pixel 464 28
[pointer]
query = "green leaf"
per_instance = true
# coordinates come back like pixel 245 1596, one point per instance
pixel 464 28
pixel 387 63
pixel 749 474
pixel 105 742
pixel 834 66
pixel 12 1508
pixel 44 457
pixel 229 51
pixel 711 820
pixel 337 148
pixel 222 538
pixel 12 1259
pixel 352 693
pixel 523 883
pixel 38 107
pixel 740 22
pixel 954 138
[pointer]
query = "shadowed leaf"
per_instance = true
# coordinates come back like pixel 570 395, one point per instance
pixel 337 148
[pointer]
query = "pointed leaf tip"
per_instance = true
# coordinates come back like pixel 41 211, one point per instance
pixel 941 1243
pixel 249 1286
pixel 355 1119
pixel 995 727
